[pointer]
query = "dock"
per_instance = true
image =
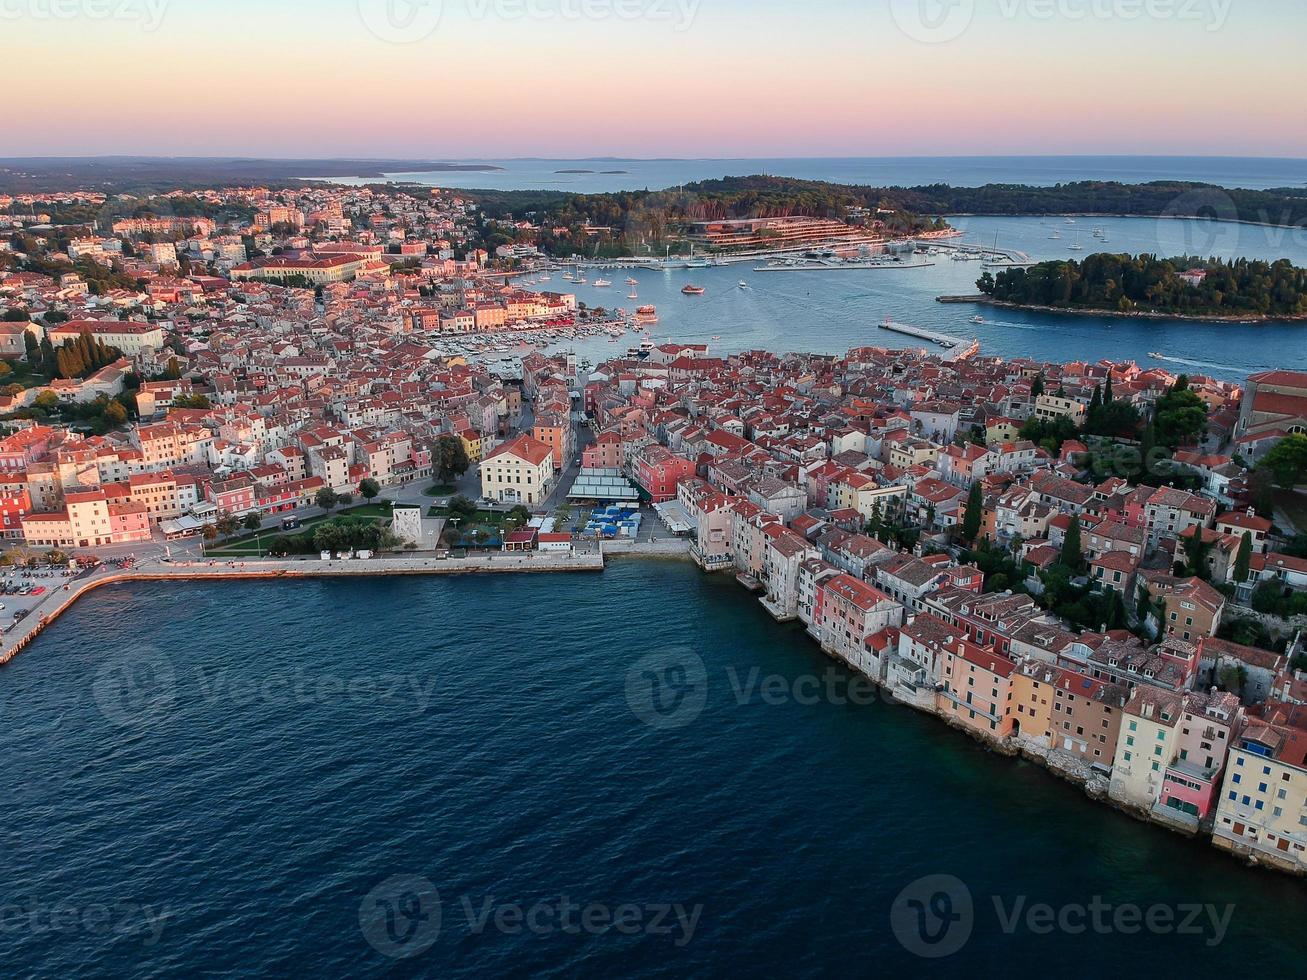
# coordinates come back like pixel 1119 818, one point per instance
pixel 959 348
pixel 56 603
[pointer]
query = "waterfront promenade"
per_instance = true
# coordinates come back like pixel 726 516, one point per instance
pixel 55 603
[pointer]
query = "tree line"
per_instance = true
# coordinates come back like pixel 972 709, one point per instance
pixel 1126 283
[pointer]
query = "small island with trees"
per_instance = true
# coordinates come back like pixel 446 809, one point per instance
pixel 1145 285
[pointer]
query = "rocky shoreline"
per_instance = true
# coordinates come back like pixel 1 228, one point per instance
pixel 982 299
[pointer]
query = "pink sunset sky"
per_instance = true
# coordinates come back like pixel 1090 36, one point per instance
pixel 702 78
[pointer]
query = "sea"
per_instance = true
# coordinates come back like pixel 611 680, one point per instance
pixel 635 773
pixel 608 174
pixel 830 312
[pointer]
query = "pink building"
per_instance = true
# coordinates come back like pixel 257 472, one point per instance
pixel 658 471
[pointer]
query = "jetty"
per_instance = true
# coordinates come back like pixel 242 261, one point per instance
pixel 59 601
pixel 959 348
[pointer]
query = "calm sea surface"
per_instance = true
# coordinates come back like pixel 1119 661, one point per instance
pixel 830 312
pixel 603 175
pixel 256 763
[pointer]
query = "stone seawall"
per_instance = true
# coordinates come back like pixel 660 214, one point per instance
pixel 56 603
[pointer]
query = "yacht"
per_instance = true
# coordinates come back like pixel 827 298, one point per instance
pixel 632 281
pixel 743 284
pixel 1157 356
pixel 693 290
pixel 977 319
pixel 602 283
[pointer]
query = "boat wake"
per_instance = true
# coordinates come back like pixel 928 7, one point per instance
pixel 1205 365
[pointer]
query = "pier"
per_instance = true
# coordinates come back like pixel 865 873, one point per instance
pixel 56 603
pixel 1005 258
pixel 959 349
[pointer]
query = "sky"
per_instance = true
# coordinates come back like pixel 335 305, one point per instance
pixel 456 79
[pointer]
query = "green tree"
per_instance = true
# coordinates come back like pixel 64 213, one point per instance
pixel 1181 416
pixel 369 488
pixel 227 524
pixel 46 401
pixel 115 414
pixel 461 506
pixel 326 498
pixel 1037 387
pixel 1073 556
pixel 1243 562
pixel 1287 460
pixel 971 519
pixel 252 521
pixel 449 459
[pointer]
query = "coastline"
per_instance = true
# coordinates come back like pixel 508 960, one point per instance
pixel 980 299
pixel 1065 767
pixel 1118 214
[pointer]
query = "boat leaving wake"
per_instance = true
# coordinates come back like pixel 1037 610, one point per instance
pixel 1206 365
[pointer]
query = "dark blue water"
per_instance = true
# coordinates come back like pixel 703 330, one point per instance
pixel 830 312
pixel 540 174
pixel 269 755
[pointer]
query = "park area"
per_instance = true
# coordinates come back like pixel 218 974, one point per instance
pixel 470 526
pixel 363 526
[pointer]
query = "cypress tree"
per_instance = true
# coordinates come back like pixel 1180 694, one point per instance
pixel 1243 563
pixel 1072 555
pixel 1107 391
pixel 971 519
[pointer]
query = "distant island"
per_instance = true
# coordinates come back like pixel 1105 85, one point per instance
pixel 592 171
pixel 160 175
pixel 761 195
pixel 1185 287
